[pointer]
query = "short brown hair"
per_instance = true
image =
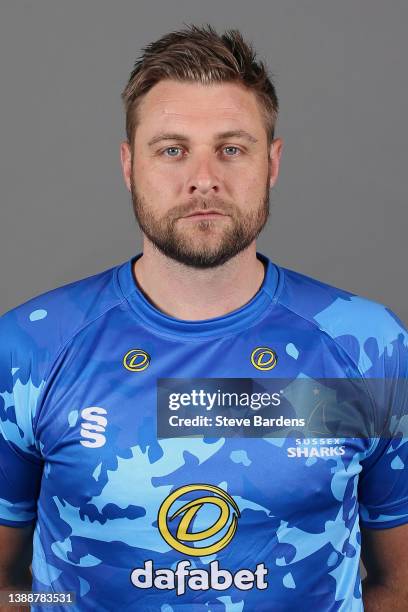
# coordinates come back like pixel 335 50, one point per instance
pixel 200 54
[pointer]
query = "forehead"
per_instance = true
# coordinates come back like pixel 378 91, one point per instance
pixel 172 103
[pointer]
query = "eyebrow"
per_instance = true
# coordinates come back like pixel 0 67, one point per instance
pixel 221 136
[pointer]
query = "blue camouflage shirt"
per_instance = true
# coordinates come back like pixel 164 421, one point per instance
pixel 109 411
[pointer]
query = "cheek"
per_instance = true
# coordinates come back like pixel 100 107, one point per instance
pixel 251 184
pixel 157 192
pixel 154 180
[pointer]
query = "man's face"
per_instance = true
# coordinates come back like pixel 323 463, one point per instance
pixel 184 162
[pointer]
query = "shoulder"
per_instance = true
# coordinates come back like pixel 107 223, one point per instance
pixel 366 329
pixel 43 324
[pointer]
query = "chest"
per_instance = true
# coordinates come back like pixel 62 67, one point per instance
pixel 99 422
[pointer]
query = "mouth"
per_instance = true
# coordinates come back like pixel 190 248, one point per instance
pixel 204 214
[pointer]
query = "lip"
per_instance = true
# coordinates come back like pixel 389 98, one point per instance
pixel 210 214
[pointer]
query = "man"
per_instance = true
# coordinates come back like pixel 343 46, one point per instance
pixel 122 457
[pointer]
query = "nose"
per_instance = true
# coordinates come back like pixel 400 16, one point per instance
pixel 203 177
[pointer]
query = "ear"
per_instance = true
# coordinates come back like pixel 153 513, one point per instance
pixel 275 156
pixel 126 162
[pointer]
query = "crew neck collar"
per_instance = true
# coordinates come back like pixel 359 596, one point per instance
pixel 235 321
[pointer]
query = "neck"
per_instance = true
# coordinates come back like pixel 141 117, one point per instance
pixel 193 294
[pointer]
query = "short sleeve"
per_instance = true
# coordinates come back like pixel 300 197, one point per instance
pixel 383 482
pixel 20 459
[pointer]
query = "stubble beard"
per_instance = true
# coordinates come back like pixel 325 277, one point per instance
pixel 195 246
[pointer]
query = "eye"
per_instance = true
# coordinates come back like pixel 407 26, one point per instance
pixel 171 149
pixel 233 148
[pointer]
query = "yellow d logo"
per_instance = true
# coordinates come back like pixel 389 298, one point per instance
pixel 136 360
pixel 190 509
pixel 263 358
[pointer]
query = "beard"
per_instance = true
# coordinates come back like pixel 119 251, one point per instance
pixel 205 243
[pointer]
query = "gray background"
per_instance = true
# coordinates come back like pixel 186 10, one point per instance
pixel 339 209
